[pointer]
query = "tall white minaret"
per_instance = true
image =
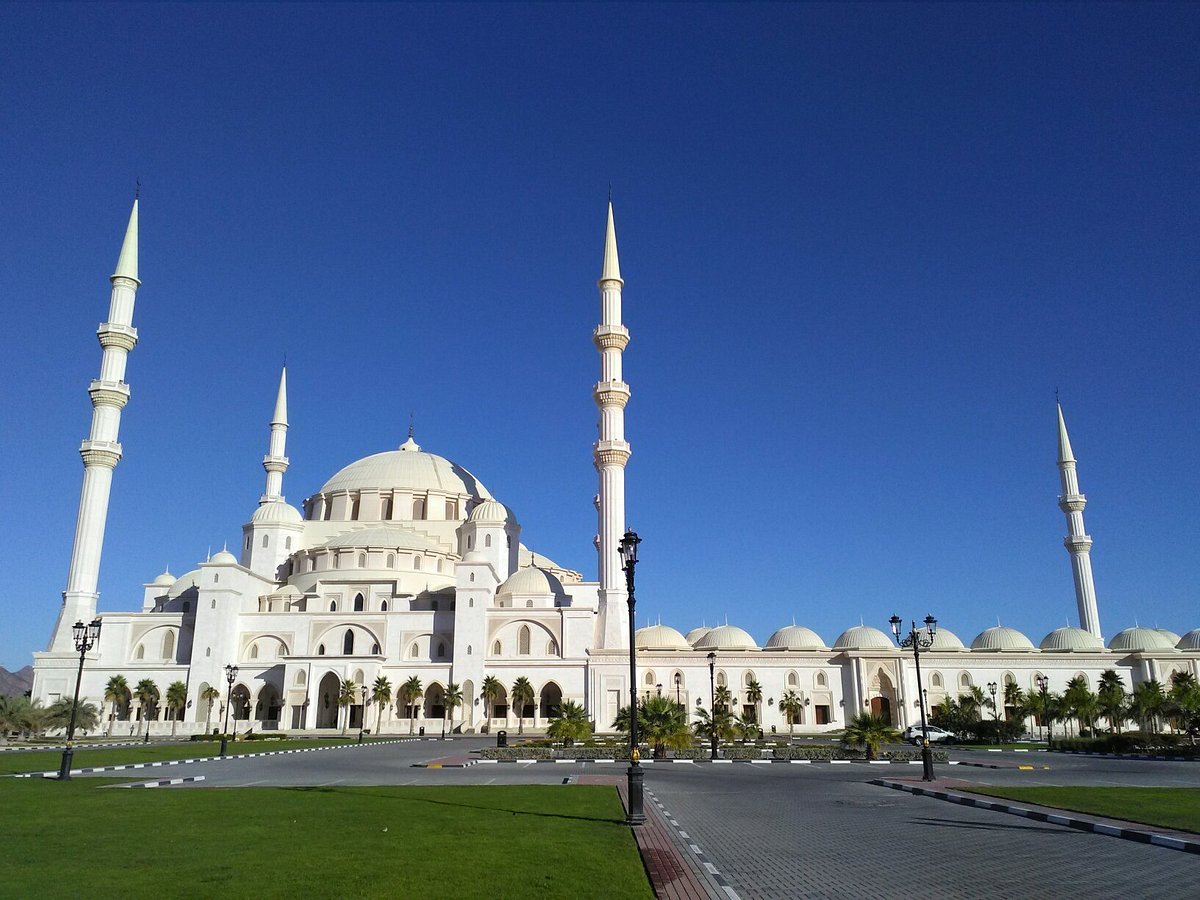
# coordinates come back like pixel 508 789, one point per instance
pixel 101 452
pixel 611 451
pixel 275 462
pixel 1077 541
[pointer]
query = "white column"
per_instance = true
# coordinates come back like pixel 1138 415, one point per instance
pixel 1077 541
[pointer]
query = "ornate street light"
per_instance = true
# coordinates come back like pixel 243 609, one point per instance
pixel 992 690
pixel 919 639
pixel 629 553
pixel 231 673
pixel 712 691
pixel 678 685
pixel 1043 684
pixel 86 637
pixel 362 721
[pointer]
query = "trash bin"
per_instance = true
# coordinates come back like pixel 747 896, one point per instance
pixel 501 738
pixel 422 731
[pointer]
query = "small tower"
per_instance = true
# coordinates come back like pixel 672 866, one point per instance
pixel 611 451
pixel 101 451
pixel 273 532
pixel 1077 541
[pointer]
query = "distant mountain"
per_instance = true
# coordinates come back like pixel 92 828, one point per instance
pixel 15 684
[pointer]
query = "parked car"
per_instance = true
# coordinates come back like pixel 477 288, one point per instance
pixel 912 734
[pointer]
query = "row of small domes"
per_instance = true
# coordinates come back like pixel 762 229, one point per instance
pixel 998 638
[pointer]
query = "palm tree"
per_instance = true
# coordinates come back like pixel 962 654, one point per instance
pixel 1075 700
pixel 662 722
pixel 347 694
pixel 116 692
pixel 453 700
pixel 971 703
pixel 490 691
pixel 754 695
pixel 1112 699
pixel 381 696
pixel 571 723
pixel 522 696
pixel 747 729
pixel 1183 704
pixel 176 701
pixel 870 732
pixel 722 723
pixel 209 695
pixel 146 693
pixel 723 699
pixel 791 706
pixel 1147 703
pixel 58 715
pixel 1014 698
pixel 409 692
pixel 19 714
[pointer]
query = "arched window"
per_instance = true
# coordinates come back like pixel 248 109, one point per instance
pixel 362 560
pixel 333 606
pixel 964 679
pixel 321 650
pixel 470 542
pixel 496 649
pixel 935 680
pixel 529 604
pixel 747 678
pixel 441 651
pixel 649 677
pixel 383 606
pixel 412 651
pixel 821 680
pixel 348 643
pixel 523 641
pixel 552 648
pixel 264 540
pixel 247 542
pixel 721 679
pixel 487 540
pixel 287 543
pixel 254 651
pixel 213 605
pixel 216 577
pixel 417 563
pixel 472 576
pixel 375 649
pixel 1010 678
pixel 359 603
pixel 140 652
pixel 208 651
pixel 418 509
pixel 470 603
pixel 391 560
pixel 793 680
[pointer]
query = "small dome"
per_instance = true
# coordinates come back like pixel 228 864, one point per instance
pixel 474 556
pixel 696 633
pixel 795 637
pixel 1140 640
pixel 726 637
pixel 276 511
pixel 223 558
pixel 166 579
pixel 1190 641
pixel 1169 635
pixel 660 637
pixel 185 582
pixel 1001 638
pixel 1071 640
pixel 531 580
pixel 946 640
pixel 490 512
pixel 863 637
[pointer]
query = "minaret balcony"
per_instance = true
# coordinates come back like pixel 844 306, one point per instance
pixel 1072 502
pixel 611 393
pixel 610 337
pixel 109 393
pixel 100 453
pixel 611 453
pixel 112 334
pixel 1078 543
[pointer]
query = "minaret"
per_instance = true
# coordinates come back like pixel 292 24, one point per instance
pixel 100 451
pixel 1077 541
pixel 611 451
pixel 275 462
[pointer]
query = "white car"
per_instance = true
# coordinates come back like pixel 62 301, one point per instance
pixel 912 734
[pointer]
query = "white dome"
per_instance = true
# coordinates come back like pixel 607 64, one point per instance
pixel 223 558
pixel 383 537
pixel 660 637
pixel 1169 635
pixel 1002 639
pixel 1140 640
pixel 277 511
pixel 185 582
pixel 944 639
pixel 408 468
pixel 795 637
pixel 1071 640
pixel 863 637
pixel 531 580
pixel 726 637
pixel 491 512
pixel 1190 641
pixel 474 556
pixel 166 579
pixel 696 633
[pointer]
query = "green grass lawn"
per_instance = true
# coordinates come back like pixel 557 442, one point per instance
pixel 88 757
pixel 1177 808
pixel 499 841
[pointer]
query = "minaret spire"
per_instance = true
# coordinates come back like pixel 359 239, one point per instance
pixel 611 451
pixel 275 462
pixel 101 451
pixel 1077 541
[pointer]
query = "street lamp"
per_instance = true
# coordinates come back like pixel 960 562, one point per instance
pixel 362 719
pixel 678 685
pixel 992 690
pixel 629 552
pixel 712 691
pixel 1043 684
pixel 86 637
pixel 231 673
pixel 659 686
pixel 919 639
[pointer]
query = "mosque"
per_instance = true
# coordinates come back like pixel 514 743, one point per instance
pixel 403 564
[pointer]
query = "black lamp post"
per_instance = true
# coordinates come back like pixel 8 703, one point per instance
pixel 678 685
pixel 86 637
pixel 992 690
pixel 712 692
pixel 1043 684
pixel 629 552
pixel 362 721
pixel 231 673
pixel 919 639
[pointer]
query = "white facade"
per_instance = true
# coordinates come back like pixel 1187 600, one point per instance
pixel 402 564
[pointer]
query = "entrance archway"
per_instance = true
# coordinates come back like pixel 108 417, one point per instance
pixel 327 701
pixel 239 709
pixel 269 707
pixel 468 704
pixel 550 701
pixel 435 701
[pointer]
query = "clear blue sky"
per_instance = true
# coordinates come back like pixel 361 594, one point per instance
pixel 862 245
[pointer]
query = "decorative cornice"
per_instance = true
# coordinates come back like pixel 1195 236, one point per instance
pixel 100 453
pixel 611 453
pixel 1078 543
pixel 611 393
pixel 1072 502
pixel 111 334
pixel 610 337
pixel 275 463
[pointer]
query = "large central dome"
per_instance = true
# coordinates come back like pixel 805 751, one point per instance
pixel 409 468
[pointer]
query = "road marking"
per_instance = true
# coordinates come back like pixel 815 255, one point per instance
pixel 695 849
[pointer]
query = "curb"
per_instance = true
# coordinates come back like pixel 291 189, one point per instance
pixel 1129 756
pixel 709 868
pixel 200 759
pixel 725 762
pixel 1187 845
pixel 166 782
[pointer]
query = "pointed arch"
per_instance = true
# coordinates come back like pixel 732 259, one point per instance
pixel 523 641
